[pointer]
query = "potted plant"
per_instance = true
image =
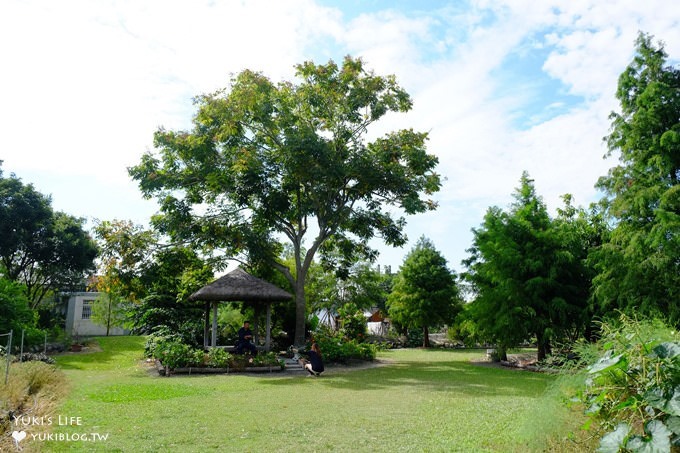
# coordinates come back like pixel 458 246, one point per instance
pixel 76 345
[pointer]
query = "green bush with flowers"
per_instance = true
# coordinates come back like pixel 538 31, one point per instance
pixel 352 322
pixel 335 347
pixel 219 358
pixel 261 360
pixel 174 354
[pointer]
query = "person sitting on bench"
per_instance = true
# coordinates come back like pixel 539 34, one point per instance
pixel 245 335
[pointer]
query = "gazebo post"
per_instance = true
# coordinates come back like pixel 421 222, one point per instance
pixel 268 338
pixel 206 325
pixel 256 324
pixel 214 324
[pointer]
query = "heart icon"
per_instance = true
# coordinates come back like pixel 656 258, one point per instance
pixel 19 436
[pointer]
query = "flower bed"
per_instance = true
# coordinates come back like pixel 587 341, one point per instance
pixel 163 371
pixel 173 357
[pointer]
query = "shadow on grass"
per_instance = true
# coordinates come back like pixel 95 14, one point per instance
pixel 454 376
pixel 116 352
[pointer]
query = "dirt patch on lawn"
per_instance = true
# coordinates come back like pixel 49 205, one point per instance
pixel 524 361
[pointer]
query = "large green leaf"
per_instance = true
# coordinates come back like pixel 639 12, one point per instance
pixel 613 441
pixel 668 350
pixel 673 405
pixel 605 363
pixel 673 423
pixel 659 440
pixel 655 397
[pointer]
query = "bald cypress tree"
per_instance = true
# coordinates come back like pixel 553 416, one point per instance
pixel 639 268
pixel 425 293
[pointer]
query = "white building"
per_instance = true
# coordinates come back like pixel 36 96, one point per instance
pixel 79 314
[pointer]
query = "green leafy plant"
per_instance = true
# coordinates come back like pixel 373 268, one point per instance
pixel 633 388
pixel 267 359
pixel 335 348
pixel 218 358
pixel 197 358
pixel 173 354
pixel 161 334
pixel 352 322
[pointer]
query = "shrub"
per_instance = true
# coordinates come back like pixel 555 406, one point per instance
pixel 352 322
pixel 267 359
pixel 414 338
pixel 240 362
pixel 173 354
pixel 197 358
pixel 633 388
pixel 161 335
pixel 218 358
pixel 338 349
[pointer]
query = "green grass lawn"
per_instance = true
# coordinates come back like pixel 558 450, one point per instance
pixel 424 400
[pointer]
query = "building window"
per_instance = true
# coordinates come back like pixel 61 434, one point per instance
pixel 87 309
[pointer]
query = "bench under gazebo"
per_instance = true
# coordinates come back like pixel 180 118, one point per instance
pixel 238 286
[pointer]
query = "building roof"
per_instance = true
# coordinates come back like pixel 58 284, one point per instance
pixel 240 286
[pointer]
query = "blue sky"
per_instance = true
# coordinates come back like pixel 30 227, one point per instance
pixel 501 86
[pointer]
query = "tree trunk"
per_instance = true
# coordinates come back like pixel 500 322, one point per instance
pixel 300 312
pixel 590 333
pixel 543 344
pixel 502 352
pixel 426 337
pixel 108 318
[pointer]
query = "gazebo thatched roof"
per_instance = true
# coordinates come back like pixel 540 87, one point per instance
pixel 238 285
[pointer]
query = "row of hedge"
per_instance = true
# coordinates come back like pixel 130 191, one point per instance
pixel 174 354
pixel 339 350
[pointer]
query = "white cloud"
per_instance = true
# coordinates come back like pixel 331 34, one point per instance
pixel 85 84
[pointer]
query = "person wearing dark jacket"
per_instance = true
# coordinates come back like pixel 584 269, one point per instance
pixel 315 364
pixel 245 335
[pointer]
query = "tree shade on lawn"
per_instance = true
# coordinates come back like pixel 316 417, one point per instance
pixel 424 400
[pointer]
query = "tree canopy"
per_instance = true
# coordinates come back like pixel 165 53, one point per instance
pixel 640 265
pixel 527 273
pixel 146 284
pixel 267 161
pixel 425 293
pixel 42 249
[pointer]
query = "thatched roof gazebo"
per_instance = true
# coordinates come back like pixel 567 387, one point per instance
pixel 238 286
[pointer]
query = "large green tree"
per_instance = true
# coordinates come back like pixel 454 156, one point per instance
pixel 580 234
pixel 527 273
pixel 170 276
pixel 425 293
pixel 640 265
pixel 44 250
pixel 15 312
pixel 126 249
pixel 145 284
pixel 266 162
pixel 363 286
